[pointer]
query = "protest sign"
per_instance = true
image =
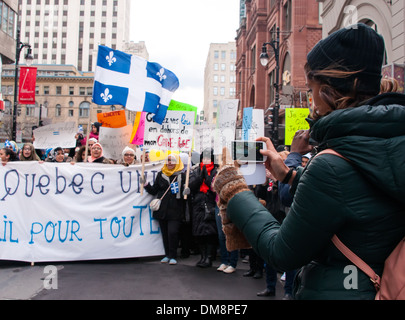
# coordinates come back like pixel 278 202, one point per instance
pixel 175 133
pixel 203 137
pixel 114 140
pixel 180 106
pixel 138 130
pixel 226 124
pixel 114 119
pixel 295 120
pixel 252 124
pixel 55 135
pixel 64 212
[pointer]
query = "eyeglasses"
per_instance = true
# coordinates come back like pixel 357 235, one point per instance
pixel 129 155
pixel 27 149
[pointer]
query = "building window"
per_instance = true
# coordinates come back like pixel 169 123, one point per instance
pixel 58 110
pixel 30 111
pixel 254 58
pixel 215 91
pixel 84 109
pixel 70 113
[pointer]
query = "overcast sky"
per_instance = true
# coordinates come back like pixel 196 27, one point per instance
pixel 178 33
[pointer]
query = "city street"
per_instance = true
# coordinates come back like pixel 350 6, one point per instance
pixel 130 279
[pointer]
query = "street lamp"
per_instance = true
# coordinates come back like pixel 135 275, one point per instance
pixel 29 59
pixel 264 60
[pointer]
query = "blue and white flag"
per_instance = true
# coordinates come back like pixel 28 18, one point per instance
pixel 174 187
pixel 133 82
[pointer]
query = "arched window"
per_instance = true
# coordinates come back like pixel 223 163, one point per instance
pixel 84 109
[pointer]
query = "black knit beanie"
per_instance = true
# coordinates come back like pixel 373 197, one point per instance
pixel 354 48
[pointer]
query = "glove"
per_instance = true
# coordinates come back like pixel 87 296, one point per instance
pixel 229 182
pixel 186 191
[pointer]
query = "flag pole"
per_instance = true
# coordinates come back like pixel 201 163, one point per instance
pixel 143 169
pixel 88 134
pixel 188 171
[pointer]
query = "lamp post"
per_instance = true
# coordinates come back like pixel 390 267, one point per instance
pixel 264 60
pixel 29 59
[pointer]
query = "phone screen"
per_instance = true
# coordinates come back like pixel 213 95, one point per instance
pixel 247 151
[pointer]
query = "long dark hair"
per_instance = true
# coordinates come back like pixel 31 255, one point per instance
pixel 11 153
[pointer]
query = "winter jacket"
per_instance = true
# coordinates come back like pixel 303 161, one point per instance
pixel 362 201
pixel 203 205
pixel 173 205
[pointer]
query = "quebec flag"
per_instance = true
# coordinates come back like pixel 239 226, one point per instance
pixel 133 82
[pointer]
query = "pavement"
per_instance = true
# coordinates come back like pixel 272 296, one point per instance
pixel 129 279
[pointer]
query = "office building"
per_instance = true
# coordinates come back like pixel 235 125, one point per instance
pixel 68 32
pixel 219 78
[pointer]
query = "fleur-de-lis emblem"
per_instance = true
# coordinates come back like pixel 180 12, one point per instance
pixel 161 74
pixel 111 59
pixel 106 95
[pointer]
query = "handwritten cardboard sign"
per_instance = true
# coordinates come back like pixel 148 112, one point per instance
pixel 114 119
pixel 114 140
pixel 226 124
pixel 55 135
pixel 252 124
pixel 175 133
pixel 295 120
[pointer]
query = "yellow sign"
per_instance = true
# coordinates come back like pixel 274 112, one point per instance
pixel 295 120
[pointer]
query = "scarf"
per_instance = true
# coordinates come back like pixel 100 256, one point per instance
pixel 179 165
pixel 91 158
pixel 204 188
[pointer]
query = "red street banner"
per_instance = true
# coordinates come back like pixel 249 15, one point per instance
pixel 28 79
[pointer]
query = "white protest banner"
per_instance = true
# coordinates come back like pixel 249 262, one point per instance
pixel 226 124
pixel 55 135
pixel 175 133
pixel 64 212
pixel 114 140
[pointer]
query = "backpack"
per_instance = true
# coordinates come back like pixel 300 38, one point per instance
pixel 391 285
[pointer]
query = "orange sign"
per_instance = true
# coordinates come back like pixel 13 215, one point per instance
pixel 113 119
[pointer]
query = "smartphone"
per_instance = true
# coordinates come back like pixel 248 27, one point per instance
pixel 248 151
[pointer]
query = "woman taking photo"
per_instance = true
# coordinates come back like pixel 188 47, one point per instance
pixel 360 199
pixel 169 185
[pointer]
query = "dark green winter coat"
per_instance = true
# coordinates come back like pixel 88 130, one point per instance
pixel 362 201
